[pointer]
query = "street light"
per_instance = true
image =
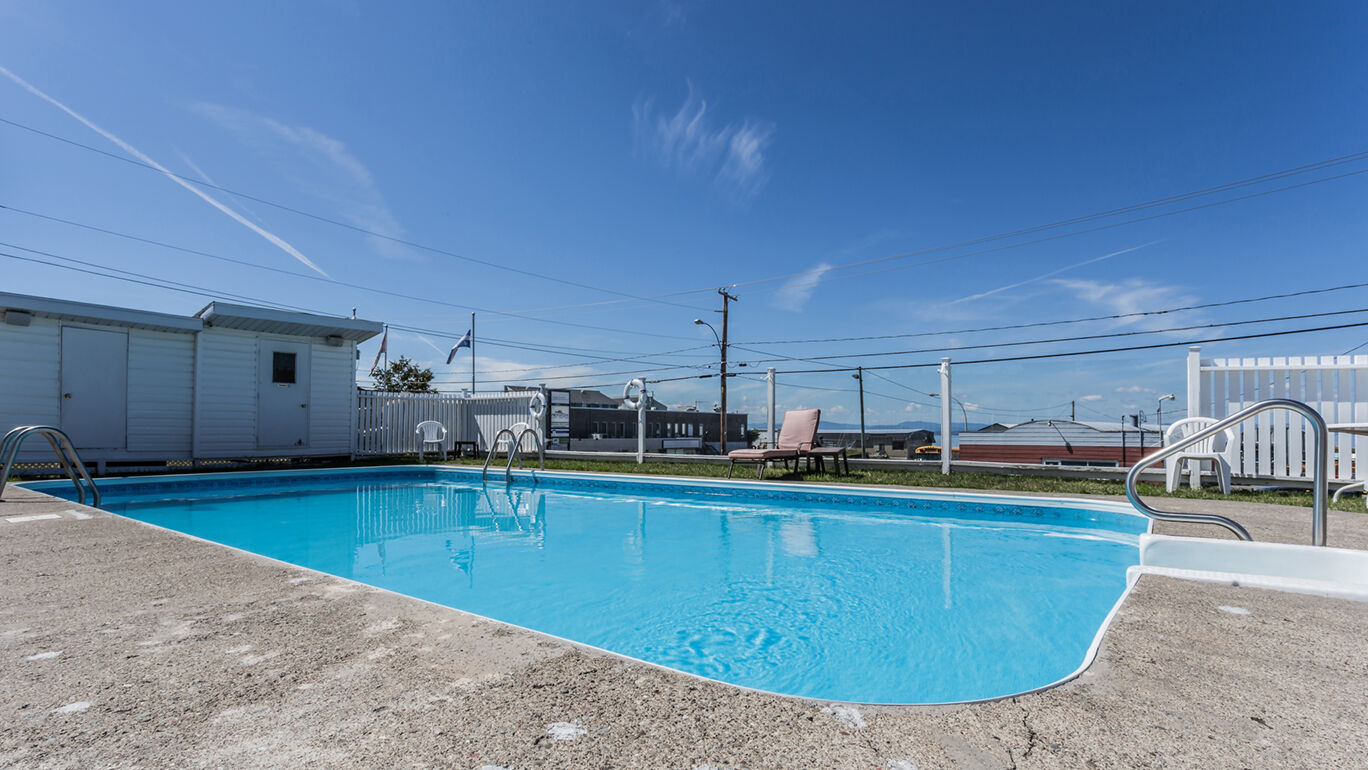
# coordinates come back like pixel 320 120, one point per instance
pixel 963 413
pixel 722 419
pixel 1162 399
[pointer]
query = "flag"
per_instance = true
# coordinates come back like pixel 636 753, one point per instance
pixel 463 342
pixel 384 345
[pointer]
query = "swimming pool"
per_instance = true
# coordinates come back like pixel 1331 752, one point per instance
pixel 874 596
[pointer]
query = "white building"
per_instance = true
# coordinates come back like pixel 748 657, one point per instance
pixel 133 386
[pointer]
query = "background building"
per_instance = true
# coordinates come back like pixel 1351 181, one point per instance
pixel 1060 442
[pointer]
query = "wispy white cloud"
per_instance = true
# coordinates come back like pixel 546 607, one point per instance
pixel 1050 274
pixel 338 175
pixel 1138 295
pixel 691 142
pixel 1091 397
pixel 795 293
pixel 1135 389
pixel 131 150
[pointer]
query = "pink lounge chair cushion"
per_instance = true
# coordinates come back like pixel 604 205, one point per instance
pixel 799 430
pixel 761 454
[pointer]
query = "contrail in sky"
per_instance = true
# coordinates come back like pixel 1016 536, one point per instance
pixel 1043 276
pixel 131 150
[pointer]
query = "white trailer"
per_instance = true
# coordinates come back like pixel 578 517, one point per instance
pixel 230 382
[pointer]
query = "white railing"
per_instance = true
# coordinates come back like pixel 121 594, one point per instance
pixel 386 422
pixel 1280 445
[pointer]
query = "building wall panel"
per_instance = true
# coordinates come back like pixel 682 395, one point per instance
pixel 331 391
pixel 30 380
pixel 226 399
pixel 161 392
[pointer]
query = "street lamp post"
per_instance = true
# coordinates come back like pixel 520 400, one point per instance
pixel 963 412
pixel 1162 399
pixel 722 344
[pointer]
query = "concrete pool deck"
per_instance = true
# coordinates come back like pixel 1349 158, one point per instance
pixel 122 645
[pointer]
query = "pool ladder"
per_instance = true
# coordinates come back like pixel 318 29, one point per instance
pixel 1319 478
pixel 516 433
pixel 66 455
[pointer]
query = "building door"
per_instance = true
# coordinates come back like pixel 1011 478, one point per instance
pixel 282 395
pixel 95 387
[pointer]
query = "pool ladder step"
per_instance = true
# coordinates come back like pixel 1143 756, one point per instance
pixel 61 446
pixel 515 433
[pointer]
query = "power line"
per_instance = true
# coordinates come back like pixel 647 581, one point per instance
pixel 307 276
pixel 1035 324
pixel 1112 335
pixel 1071 354
pixel 663 298
pixel 1272 176
pixel 163 283
pixel 1047 239
pixel 339 223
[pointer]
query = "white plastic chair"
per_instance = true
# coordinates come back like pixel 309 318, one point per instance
pixel 432 432
pixel 1212 449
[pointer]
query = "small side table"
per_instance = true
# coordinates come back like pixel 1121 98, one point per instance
pixel 837 455
pixel 459 448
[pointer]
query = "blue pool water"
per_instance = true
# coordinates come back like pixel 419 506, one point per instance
pixel 854 597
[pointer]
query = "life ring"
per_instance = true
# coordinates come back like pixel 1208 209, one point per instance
pixel 631 401
pixel 537 405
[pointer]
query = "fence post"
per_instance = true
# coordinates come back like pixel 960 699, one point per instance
pixel 641 425
pixel 1194 382
pixel 946 448
pixel 769 415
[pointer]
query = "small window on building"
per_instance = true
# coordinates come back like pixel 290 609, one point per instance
pixel 899 445
pixel 283 367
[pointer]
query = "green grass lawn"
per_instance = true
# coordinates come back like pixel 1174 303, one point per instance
pixel 930 478
pixel 901 478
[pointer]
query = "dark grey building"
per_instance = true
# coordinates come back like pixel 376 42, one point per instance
pixel 598 423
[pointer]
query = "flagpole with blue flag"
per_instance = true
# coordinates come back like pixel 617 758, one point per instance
pixel 466 341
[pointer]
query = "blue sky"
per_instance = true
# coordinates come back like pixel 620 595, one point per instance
pixel 648 149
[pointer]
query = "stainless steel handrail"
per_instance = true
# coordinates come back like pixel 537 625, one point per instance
pixel 1319 479
pixel 514 449
pixel 61 446
pixel 494 449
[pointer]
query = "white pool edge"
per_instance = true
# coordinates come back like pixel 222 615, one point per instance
pixel 1339 573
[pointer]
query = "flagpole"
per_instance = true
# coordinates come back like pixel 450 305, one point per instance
pixel 472 354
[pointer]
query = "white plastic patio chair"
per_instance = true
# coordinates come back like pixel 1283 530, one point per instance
pixel 1212 449
pixel 431 432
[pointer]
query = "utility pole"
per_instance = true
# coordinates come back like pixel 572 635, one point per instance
pixel 472 354
pixel 769 415
pixel 1073 415
pixel 1123 441
pixel 859 375
pixel 723 417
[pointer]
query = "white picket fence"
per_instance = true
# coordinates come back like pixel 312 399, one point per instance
pixel 1278 444
pixel 386 422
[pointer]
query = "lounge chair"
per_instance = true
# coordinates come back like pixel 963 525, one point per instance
pixel 797 435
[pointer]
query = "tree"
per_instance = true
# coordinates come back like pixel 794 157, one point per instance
pixel 404 376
